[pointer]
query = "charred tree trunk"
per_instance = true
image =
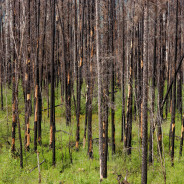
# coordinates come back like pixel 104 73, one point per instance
pixel 180 76
pixel 128 127
pixel 181 82
pixel 27 82
pixel 153 81
pixel 79 76
pixel 112 7
pixel 174 91
pixel 36 81
pixel 14 119
pixel 52 97
pixel 123 75
pixel 91 12
pixel 160 85
pixel 38 76
pixel 17 70
pixel 139 77
pixel 1 82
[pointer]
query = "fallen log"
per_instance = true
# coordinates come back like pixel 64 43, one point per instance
pixel 37 166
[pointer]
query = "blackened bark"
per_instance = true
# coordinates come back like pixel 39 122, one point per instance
pixel 139 78
pixel 112 7
pixel 43 45
pixel 27 82
pixel 174 91
pixel 180 96
pixel 36 82
pixel 38 76
pixel 67 68
pixel 52 97
pixel 90 79
pixel 180 74
pixel 128 127
pixel 153 81
pixel 123 76
pixel 1 83
pixel 14 119
pixel 79 76
pixel 182 136
pixel 17 110
pixel 160 84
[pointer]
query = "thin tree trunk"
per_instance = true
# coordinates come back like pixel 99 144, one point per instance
pixel 52 97
pixel 79 77
pixel 139 76
pixel 90 79
pixel 153 88
pixel 17 111
pixel 160 85
pixel 102 125
pixel 123 75
pixel 1 84
pixel 6 59
pixel 14 119
pixel 174 91
pixel 145 95
pixel 181 79
pixel 35 69
pixel 38 76
pixel 27 82
pixel 112 77
pixel 180 76
pixel 128 127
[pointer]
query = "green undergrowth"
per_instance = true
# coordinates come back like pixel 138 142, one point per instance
pixel 82 170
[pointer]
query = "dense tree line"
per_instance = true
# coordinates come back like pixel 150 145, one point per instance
pixel 102 46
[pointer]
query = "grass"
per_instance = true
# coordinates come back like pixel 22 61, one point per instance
pixel 82 170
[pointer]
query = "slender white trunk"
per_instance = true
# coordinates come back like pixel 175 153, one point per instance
pixel 99 85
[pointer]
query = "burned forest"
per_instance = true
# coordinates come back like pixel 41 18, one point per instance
pixel 91 91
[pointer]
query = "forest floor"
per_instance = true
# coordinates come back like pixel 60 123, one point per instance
pixel 83 170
